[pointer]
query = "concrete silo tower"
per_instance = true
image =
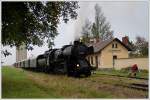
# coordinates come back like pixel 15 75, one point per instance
pixel 21 53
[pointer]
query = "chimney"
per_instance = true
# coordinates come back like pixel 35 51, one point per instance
pixel 92 40
pixel 95 40
pixel 125 40
pixel 99 39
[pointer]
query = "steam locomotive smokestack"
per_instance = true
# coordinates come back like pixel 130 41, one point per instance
pixel 76 42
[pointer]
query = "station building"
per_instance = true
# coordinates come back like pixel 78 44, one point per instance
pixel 105 52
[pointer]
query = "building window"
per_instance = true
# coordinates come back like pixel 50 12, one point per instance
pixel 114 45
pixel 96 61
pixel 114 57
pixel 88 58
pixel 92 60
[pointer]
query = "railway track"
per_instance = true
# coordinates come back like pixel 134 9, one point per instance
pixel 142 83
pixel 139 86
pixel 124 76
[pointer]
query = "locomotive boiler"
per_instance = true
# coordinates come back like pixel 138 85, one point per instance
pixel 70 60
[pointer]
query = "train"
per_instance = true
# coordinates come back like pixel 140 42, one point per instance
pixel 70 60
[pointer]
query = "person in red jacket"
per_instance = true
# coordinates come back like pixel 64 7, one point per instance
pixel 134 70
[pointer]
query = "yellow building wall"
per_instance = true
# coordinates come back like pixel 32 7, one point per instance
pixel 105 57
pixel 108 52
pixel 143 63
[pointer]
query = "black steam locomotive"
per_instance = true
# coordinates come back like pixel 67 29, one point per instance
pixel 70 60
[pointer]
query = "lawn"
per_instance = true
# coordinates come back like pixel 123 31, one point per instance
pixel 19 83
pixel 142 74
pixel 15 84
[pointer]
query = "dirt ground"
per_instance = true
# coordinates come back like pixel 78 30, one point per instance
pixel 116 86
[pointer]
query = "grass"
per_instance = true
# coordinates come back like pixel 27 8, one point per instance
pixel 18 83
pixel 124 73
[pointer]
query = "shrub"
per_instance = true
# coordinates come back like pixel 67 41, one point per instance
pixel 126 69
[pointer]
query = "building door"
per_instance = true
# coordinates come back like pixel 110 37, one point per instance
pixel 96 61
pixel 114 57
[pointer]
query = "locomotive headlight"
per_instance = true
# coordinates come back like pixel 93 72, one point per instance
pixel 78 65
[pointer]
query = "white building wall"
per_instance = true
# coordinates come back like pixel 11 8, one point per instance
pixel 21 53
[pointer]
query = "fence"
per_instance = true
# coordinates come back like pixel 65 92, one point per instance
pixel 126 62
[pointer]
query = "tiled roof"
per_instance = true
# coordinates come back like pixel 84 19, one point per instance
pixel 102 44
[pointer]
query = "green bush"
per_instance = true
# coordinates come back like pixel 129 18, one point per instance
pixel 144 70
pixel 127 69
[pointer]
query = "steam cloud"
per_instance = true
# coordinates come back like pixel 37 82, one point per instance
pixel 82 15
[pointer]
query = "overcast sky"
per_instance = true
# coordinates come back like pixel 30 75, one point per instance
pixel 126 18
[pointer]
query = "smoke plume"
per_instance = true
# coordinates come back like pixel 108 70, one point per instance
pixel 82 15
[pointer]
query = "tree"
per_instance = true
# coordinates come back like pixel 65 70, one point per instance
pixel 31 22
pixel 131 45
pixel 101 28
pixel 139 48
pixel 86 31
